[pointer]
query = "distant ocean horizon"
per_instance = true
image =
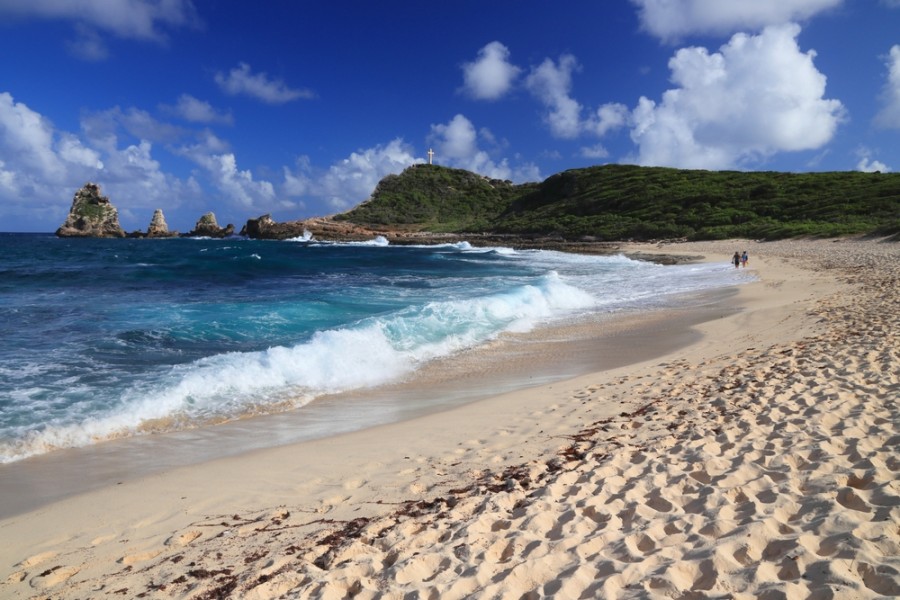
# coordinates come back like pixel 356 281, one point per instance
pixel 104 339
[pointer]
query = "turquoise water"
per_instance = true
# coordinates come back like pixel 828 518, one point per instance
pixel 112 338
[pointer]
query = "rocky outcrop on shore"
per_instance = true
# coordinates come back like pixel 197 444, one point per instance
pixel 208 227
pixel 91 215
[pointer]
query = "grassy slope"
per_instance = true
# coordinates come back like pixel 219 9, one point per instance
pixel 615 202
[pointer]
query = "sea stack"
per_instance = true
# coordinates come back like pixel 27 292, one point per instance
pixel 158 227
pixel 91 215
pixel 208 227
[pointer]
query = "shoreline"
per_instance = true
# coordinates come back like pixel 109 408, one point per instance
pixel 733 465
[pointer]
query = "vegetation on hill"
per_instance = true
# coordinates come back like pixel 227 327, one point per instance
pixel 616 202
pixel 439 199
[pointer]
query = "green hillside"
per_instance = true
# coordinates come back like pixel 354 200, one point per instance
pixel 440 199
pixel 616 202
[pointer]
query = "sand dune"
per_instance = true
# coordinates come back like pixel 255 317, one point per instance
pixel 761 462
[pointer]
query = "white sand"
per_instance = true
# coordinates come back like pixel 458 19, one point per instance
pixel 760 462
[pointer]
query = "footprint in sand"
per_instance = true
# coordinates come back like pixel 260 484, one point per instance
pixel 184 539
pixel 17 577
pixel 53 577
pixel 354 484
pixel 847 498
pixel 139 557
pixel 103 539
pixel 38 558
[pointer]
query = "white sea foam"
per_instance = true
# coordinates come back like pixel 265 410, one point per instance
pixel 306 237
pixel 375 351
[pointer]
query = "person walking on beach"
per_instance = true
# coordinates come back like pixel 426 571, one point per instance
pixel 736 259
pixel 744 259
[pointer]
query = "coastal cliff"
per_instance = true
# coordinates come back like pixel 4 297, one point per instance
pixel 91 215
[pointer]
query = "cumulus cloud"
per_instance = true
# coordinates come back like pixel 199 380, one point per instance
pixel 238 186
pixel 757 96
pixel 42 166
pixel 551 84
pixel 457 144
pixel 889 115
pixel 673 19
pixel 241 81
pixel 609 117
pixel 867 164
pixel 491 75
pixel 197 111
pixel 27 140
pixel 351 180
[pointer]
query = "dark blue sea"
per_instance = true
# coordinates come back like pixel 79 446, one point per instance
pixel 103 339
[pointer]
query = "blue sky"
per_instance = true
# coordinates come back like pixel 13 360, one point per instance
pixel 298 109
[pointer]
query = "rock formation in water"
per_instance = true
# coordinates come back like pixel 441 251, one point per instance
pixel 208 227
pixel 91 215
pixel 158 227
pixel 266 228
pixel 323 229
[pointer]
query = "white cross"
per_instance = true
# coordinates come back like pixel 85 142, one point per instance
pixel 430 155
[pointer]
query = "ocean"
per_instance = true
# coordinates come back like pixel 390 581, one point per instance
pixel 107 339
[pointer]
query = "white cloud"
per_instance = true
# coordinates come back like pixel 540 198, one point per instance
pixel 238 186
pixel 759 95
pixel 139 19
pixel 491 75
pixel 889 115
pixel 73 151
pixel 197 111
pixel 867 165
pixel 551 83
pixel 595 151
pixel 457 146
pixel 608 118
pixel 27 141
pixel 673 19
pixel 351 180
pixel 240 80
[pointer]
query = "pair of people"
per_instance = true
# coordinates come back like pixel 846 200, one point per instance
pixel 740 260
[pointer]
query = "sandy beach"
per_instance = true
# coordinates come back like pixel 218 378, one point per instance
pixel 759 461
